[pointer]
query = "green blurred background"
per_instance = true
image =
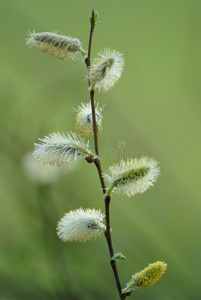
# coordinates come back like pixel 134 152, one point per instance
pixel 154 109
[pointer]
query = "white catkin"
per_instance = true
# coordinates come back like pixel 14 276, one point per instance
pixel 84 122
pixel 61 150
pixel 133 176
pixel 59 46
pixel 81 225
pixel 106 70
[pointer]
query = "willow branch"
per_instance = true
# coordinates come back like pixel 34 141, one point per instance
pixel 110 246
pixel 99 168
pixel 95 127
pixel 88 59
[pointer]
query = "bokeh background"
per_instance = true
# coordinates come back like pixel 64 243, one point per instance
pixel 154 109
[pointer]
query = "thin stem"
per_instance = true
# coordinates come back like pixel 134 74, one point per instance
pixel 95 127
pixel 99 169
pixel 110 246
pixel 87 60
pixel 95 131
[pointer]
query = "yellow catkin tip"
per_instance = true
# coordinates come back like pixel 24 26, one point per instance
pixel 149 275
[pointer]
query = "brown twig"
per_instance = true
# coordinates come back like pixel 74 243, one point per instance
pixel 88 59
pixel 99 168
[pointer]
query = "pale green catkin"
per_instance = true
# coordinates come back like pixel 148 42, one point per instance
pixel 59 46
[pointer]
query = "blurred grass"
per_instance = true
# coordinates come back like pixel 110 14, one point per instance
pixel 154 109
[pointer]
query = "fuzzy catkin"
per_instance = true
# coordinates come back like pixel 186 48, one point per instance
pixel 146 277
pixel 59 46
pixel 84 121
pixel 106 69
pixel 81 225
pixel 150 275
pixel 133 176
pixel 61 150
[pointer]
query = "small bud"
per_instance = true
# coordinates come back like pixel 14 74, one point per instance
pixel 90 159
pixel 129 293
pixel 59 46
pixel 117 257
pixel 96 15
